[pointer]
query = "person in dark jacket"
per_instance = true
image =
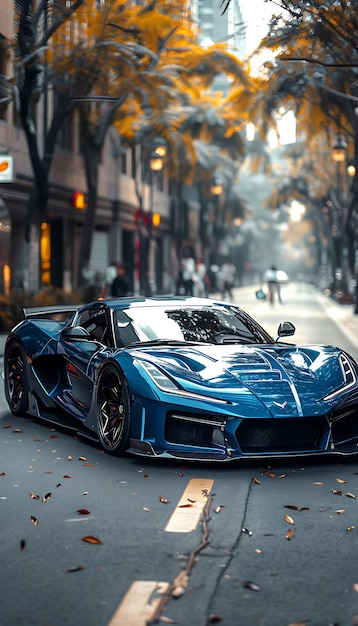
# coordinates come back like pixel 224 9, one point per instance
pixel 120 285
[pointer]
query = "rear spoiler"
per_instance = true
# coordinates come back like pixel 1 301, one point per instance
pixel 62 311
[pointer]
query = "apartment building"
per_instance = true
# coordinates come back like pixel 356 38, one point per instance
pixel 116 232
pixel 118 228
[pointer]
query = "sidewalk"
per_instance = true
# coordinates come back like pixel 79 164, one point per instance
pixel 342 314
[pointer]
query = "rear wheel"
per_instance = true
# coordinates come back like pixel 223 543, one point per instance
pixel 113 410
pixel 16 380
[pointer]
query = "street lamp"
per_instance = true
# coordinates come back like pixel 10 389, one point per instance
pixel 149 219
pixel 216 189
pixel 339 150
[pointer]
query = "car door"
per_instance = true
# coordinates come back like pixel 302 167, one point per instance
pixel 78 346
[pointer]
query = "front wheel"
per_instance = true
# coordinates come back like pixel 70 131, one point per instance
pixel 16 380
pixel 113 411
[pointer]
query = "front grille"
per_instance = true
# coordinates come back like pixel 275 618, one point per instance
pixel 282 435
pixel 199 430
pixel 344 425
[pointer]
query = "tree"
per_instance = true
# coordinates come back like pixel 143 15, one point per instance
pixel 159 71
pixel 313 72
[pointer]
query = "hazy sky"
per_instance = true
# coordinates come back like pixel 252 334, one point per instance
pixel 257 13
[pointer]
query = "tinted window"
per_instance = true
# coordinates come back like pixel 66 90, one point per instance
pixel 204 324
pixel 95 321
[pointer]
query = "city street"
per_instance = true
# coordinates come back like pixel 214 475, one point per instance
pixel 91 540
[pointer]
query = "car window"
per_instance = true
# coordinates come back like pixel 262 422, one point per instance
pixel 210 325
pixel 95 321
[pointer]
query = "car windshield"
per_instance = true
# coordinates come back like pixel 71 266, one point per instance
pixel 203 324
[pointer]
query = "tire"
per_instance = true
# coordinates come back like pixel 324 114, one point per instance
pixel 113 410
pixel 16 379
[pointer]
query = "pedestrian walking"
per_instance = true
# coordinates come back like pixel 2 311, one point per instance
pixel 273 285
pixel 120 285
pixel 110 275
pixel 227 275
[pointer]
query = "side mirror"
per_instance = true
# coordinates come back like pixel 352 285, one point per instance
pixel 75 333
pixel 286 329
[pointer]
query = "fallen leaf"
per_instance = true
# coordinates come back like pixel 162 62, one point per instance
pixel 69 458
pixel 213 618
pixel 185 506
pixel 83 511
pixel 250 585
pixel 189 500
pixel 48 472
pixel 290 534
pixel 164 500
pixel 355 587
pixel 289 519
pixel 53 436
pixel 146 510
pixel 58 485
pixel 296 508
pixel 324 508
pixel 7 426
pixel 34 520
pixel 178 591
pixel 340 511
pixel 258 551
pixel 299 623
pixel 67 476
pixel 91 539
pixel 82 458
pixel 22 544
pixel 17 430
pixel 317 483
pixel 145 475
pixel 88 464
pixel 34 496
pixel 337 492
pixel 167 620
pixel 350 495
pixel 340 480
pixel 3 473
pixel 74 569
pixel 218 508
pixel 256 481
pixel 46 497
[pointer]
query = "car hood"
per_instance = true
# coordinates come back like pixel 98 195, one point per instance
pixel 282 378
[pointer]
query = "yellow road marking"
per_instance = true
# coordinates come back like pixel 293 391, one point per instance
pixel 190 506
pixel 139 603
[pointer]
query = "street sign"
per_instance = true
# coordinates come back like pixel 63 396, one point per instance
pixel 6 168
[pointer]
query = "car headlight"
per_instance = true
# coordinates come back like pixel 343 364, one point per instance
pixel 165 383
pixel 349 377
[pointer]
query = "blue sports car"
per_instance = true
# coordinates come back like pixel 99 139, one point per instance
pixel 181 377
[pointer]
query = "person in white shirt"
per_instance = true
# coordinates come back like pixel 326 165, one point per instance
pixel 186 275
pixel 273 285
pixel 227 276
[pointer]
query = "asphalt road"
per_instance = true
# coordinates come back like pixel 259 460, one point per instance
pixel 90 540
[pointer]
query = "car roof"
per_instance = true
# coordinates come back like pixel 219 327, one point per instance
pixel 167 301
